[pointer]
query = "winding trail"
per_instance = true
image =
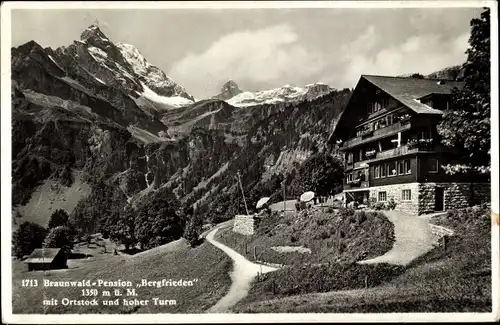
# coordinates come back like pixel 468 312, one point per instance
pixel 413 238
pixel 242 275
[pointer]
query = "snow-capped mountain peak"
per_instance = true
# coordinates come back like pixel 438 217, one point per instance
pixel 286 93
pixel 150 75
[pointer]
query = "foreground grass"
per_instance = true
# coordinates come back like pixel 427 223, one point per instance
pixel 337 240
pixel 457 279
pixel 342 236
pixel 174 261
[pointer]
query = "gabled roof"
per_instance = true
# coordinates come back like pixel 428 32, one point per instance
pixel 409 90
pixel 406 90
pixel 43 255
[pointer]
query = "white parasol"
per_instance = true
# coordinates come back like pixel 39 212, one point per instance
pixel 261 202
pixel 307 196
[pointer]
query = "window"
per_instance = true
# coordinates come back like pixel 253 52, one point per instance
pixel 382 196
pixel 406 195
pixel 391 169
pixel 350 157
pixel 433 165
pixel 401 169
pixel 407 166
pixel 382 171
pixel 377 171
pixel 389 119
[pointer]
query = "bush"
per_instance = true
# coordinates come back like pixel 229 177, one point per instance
pixel 371 202
pixel 379 206
pixel 27 237
pixel 326 277
pixel 391 205
pixel 360 216
pixel 346 212
pixel 59 237
pixel 299 205
pixel 58 218
pixel 193 230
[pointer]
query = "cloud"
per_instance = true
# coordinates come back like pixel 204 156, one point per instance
pixel 251 56
pixel 423 54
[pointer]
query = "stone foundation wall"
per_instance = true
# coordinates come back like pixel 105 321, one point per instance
pixel 244 224
pixel 396 192
pixel 456 195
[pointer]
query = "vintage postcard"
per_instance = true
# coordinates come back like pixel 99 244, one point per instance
pixel 195 162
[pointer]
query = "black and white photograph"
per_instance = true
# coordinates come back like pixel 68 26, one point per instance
pixel 249 161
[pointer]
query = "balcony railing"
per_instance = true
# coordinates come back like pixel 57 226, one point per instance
pixel 403 150
pixel 355 185
pixel 395 152
pixel 377 134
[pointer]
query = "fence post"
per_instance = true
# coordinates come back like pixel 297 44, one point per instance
pixel 255 253
pixel 246 247
pixel 366 281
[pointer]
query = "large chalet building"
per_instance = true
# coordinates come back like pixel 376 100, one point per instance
pixel 389 140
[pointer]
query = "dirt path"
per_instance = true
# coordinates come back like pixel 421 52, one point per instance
pixel 242 275
pixel 413 238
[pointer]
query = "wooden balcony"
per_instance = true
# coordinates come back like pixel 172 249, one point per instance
pixel 377 134
pixel 359 185
pixel 395 152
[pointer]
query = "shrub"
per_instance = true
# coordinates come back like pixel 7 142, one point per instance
pixel 371 202
pixel 379 206
pixel 360 216
pixel 193 230
pixel 326 277
pixel 59 237
pixel 27 237
pixel 346 212
pixel 58 218
pixel 391 205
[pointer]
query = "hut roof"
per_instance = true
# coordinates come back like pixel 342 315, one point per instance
pixel 43 255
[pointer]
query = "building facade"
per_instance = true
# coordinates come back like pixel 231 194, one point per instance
pixel 388 136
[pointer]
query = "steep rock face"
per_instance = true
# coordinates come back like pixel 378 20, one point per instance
pixel 48 139
pixel 151 76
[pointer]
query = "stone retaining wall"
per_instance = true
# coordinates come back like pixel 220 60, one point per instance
pixel 245 224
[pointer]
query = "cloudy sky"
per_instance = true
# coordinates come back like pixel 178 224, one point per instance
pixel 266 48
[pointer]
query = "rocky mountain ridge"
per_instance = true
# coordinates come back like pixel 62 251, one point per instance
pixel 233 95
